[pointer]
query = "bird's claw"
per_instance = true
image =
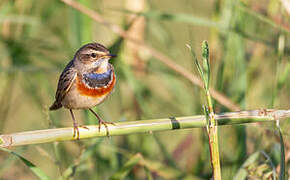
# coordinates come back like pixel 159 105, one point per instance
pixel 106 126
pixel 77 131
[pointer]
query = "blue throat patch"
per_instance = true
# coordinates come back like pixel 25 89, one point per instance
pixel 95 80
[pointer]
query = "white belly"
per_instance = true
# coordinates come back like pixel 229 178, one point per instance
pixel 74 100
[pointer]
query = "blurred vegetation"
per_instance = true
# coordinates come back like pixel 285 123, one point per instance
pixel 250 60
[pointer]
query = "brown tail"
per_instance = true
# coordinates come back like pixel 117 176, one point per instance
pixel 55 106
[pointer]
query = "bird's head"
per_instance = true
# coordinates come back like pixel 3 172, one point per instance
pixel 93 56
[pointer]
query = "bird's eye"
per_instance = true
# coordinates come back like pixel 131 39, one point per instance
pixel 93 55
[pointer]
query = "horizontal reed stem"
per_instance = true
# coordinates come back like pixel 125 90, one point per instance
pixel 141 126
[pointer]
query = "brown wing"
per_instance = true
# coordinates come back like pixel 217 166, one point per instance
pixel 65 82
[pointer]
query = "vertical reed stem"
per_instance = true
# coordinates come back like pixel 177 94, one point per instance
pixel 212 131
pixel 211 127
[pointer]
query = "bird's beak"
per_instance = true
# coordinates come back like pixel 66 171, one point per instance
pixel 111 55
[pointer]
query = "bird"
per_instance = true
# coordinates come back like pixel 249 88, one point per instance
pixel 86 81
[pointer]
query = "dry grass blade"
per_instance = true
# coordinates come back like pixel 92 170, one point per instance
pixel 158 55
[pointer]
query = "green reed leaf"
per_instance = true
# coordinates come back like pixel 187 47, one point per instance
pixel 37 171
pixel 122 173
pixel 206 65
pixel 282 156
pixel 178 17
pixel 198 66
pixel 242 173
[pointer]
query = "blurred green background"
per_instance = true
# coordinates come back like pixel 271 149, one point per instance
pixel 250 53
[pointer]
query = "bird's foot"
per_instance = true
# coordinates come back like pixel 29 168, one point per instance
pixel 77 131
pixel 106 125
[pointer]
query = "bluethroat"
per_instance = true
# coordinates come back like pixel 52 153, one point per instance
pixel 86 81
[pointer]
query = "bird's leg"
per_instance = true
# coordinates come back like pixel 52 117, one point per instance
pixel 101 121
pixel 75 123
